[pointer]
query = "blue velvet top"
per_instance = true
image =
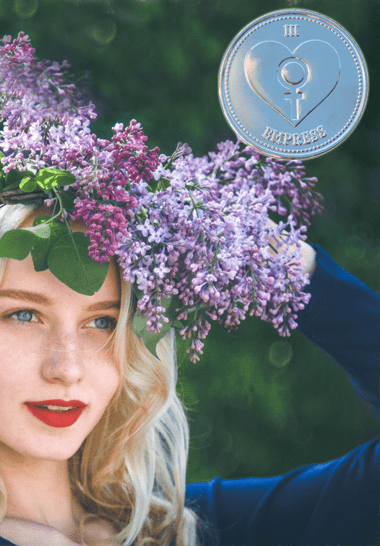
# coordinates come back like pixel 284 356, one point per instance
pixel 332 504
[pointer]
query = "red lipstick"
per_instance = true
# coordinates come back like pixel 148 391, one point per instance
pixel 54 418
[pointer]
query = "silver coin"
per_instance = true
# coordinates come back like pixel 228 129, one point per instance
pixel 293 84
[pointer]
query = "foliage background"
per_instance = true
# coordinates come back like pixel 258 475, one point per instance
pixel 258 404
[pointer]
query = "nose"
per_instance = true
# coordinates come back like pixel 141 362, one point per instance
pixel 63 360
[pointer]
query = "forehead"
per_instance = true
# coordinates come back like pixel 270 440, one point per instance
pixel 22 275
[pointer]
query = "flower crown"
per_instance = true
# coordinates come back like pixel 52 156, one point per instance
pixel 190 234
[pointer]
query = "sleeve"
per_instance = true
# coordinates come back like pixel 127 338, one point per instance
pixel 332 504
pixel 343 318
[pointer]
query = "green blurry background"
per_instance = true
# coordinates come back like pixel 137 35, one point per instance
pixel 258 404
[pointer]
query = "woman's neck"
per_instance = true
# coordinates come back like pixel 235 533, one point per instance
pixel 39 491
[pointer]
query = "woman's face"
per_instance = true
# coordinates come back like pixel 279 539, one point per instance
pixel 53 350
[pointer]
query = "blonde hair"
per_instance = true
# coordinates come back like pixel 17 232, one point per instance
pixel 131 469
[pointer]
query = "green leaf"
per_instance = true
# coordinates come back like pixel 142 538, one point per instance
pixel 50 178
pixel 28 184
pixel 13 179
pixel 150 339
pixel 41 247
pixel 40 252
pixel 138 293
pixel 69 261
pixel 139 323
pixel 16 244
pixel 42 230
pixel 40 220
pixel 2 175
pixel 68 200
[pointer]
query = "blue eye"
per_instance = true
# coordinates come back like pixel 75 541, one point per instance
pixel 106 323
pixel 23 312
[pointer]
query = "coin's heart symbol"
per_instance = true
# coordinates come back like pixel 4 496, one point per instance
pixel 294 83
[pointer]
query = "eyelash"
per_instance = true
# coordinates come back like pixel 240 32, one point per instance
pixel 9 317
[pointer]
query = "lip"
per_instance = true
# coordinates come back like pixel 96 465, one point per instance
pixel 55 402
pixel 53 419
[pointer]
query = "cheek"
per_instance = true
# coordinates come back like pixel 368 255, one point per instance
pixel 18 359
pixel 20 343
pixel 106 376
pixel 104 384
pixel 12 385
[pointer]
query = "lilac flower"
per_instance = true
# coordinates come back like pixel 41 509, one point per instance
pixel 190 228
pixel 161 270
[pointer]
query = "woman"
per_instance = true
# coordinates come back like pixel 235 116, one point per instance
pixel 52 475
pixel 93 438
pixel 61 350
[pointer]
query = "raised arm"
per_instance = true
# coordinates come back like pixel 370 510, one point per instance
pixel 336 502
pixel 343 318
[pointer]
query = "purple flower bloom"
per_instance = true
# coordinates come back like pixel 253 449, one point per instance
pixel 200 237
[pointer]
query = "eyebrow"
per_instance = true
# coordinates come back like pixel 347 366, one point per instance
pixel 44 300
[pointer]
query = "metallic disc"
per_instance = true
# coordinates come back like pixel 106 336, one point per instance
pixel 293 84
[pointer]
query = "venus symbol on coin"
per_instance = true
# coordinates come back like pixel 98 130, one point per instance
pixel 293 84
pixel 291 73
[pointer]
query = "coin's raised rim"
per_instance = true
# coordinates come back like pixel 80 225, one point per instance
pixel 363 89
